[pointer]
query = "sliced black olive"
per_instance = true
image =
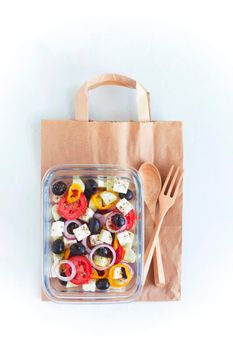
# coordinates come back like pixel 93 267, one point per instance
pixel 58 246
pixel 103 251
pixel 64 283
pixel 77 249
pixel 102 284
pixel 59 188
pixel 94 225
pixel 100 273
pixel 71 227
pixel 128 195
pixel 62 219
pixel 91 186
pixel 118 220
pixel 123 273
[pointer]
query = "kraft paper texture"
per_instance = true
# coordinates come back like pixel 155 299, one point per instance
pixel 131 144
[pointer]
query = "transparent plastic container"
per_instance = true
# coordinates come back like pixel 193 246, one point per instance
pixel 51 285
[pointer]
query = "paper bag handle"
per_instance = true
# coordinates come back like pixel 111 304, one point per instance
pixel 142 96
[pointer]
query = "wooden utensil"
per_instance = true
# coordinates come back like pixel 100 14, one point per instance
pixel 152 186
pixel 167 198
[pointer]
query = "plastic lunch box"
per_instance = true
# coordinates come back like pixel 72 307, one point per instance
pixel 52 288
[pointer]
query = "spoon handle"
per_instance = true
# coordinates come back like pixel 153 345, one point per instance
pixel 152 244
pixel 159 276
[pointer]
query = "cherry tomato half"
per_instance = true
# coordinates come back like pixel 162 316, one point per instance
pixel 130 218
pixel 83 269
pixel 71 211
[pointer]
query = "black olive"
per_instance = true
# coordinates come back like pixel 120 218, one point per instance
pixel 123 273
pixel 100 273
pixel 128 195
pixel 102 284
pixel 64 283
pixel 77 249
pixel 94 225
pixel 118 220
pixel 87 194
pixel 59 188
pixel 62 219
pixel 103 251
pixel 71 227
pixel 91 186
pixel 58 246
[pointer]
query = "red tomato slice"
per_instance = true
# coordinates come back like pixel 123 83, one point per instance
pixel 120 253
pixel 83 269
pixel 130 217
pixel 71 211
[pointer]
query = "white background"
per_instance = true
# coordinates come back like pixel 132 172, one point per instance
pixel 182 52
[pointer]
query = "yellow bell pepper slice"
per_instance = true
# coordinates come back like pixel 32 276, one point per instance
pixel 74 193
pixel 99 203
pixel 95 275
pixel 118 283
pixel 67 253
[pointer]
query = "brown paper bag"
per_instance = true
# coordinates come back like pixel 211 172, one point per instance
pixel 131 143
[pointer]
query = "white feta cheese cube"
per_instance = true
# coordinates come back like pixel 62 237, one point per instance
pixel 55 214
pixel 57 229
pixel 87 215
pixel 94 240
pixel 123 237
pixel 120 185
pixel 129 244
pixel 81 232
pixel 117 273
pixel 68 242
pixel 90 286
pixel 130 256
pixel 78 181
pixel 124 206
pixel 105 236
pixel 110 183
pixel 108 197
pixel 101 182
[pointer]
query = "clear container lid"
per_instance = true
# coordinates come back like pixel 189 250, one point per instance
pixel 123 279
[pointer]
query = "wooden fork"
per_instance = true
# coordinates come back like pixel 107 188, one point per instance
pixel 167 198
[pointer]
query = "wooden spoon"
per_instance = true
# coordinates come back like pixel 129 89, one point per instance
pixel 152 186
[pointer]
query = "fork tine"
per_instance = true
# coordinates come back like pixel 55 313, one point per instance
pixel 173 182
pixel 178 184
pixel 167 179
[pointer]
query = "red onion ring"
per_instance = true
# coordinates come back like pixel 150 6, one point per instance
pixel 109 223
pixel 106 211
pixel 56 269
pixel 93 252
pixel 66 234
pixel 101 219
pixel 84 242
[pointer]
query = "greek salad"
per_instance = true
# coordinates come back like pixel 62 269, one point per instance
pixel 92 232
